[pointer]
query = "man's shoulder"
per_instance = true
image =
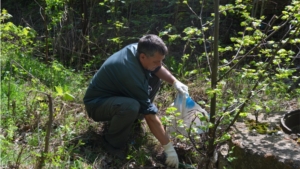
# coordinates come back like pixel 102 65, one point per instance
pixel 124 58
pixel 132 48
pixel 129 50
pixel 132 45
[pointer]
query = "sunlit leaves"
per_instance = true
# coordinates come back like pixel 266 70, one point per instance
pixel 64 94
pixel 249 29
pixel 115 40
pixel 284 73
pixel 224 137
pixel 193 72
pixel 212 92
pixel 227 48
pixel 295 41
pixel 59 90
pixel 249 73
pixel 4 15
pixel 15 39
pixel 255 24
pixel 54 10
pixel 258 34
pixel 191 31
pixel 243 114
pixel 298 17
pixel 227 8
pixel 282 52
pixel 257 107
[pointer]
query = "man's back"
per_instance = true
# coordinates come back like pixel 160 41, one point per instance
pixel 120 75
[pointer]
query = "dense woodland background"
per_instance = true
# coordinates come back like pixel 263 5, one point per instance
pixel 79 31
pixel 50 49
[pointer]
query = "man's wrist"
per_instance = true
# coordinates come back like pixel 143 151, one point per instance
pixel 174 82
pixel 169 145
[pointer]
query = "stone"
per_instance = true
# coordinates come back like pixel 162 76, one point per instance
pixel 260 151
pixel 293 136
pixel 279 133
pixel 224 149
pixel 253 132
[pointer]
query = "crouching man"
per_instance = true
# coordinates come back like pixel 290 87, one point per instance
pixel 123 89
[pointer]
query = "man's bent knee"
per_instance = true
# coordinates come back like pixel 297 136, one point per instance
pixel 130 107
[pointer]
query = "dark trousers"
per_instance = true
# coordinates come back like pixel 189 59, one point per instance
pixel 122 112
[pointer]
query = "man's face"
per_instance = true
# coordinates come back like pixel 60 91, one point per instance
pixel 151 62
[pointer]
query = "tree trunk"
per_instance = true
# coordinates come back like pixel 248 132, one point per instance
pixel 214 79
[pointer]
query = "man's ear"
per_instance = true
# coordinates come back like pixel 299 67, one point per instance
pixel 142 56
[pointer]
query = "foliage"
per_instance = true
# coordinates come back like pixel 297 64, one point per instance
pixel 24 109
pixel 271 63
pixel 261 128
pixel 15 40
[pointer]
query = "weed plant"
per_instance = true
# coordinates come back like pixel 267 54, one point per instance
pixel 25 109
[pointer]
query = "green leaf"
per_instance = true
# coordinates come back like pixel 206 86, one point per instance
pixel 243 114
pixel 225 61
pixel 224 137
pixel 68 97
pixel 195 71
pixel 244 23
pixel 171 110
pixel 257 107
pixel 249 28
pixel 180 137
pixel 59 90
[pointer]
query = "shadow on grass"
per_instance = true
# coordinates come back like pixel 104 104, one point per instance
pixel 87 147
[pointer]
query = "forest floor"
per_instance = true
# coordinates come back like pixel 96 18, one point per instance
pixel 145 151
pixel 142 152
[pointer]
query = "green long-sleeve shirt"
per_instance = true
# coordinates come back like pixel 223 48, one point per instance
pixel 121 75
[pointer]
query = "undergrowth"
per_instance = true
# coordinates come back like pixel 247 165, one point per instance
pixel 74 141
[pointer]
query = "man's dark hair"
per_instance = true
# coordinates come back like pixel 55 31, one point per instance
pixel 149 44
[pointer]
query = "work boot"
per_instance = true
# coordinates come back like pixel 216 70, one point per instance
pixel 116 152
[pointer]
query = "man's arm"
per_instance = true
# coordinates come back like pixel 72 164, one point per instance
pixel 158 131
pixel 165 75
pixel 157 128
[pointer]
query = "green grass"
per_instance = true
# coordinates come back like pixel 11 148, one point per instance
pixel 74 141
pixel 24 111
